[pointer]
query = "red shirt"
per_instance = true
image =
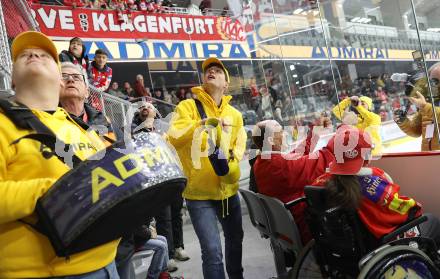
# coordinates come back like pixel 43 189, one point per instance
pixel 100 78
pixel 382 209
pixel 285 179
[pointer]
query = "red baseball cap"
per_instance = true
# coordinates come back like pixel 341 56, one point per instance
pixel 352 147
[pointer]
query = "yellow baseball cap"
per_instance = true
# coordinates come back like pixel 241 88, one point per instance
pixel 213 60
pixel 33 39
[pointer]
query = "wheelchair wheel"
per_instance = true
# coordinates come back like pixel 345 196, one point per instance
pixel 399 262
pixel 306 266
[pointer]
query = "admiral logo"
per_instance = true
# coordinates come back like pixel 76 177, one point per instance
pixel 126 166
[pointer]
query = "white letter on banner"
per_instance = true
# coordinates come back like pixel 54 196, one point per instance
pixel 126 25
pixel 165 24
pixel 200 26
pixel 49 20
pixel 177 24
pixel 99 22
pixel 152 24
pixel 139 23
pixel 66 20
pixel 210 22
pixel 111 24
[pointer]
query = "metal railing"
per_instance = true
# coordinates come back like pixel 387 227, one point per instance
pixel 120 112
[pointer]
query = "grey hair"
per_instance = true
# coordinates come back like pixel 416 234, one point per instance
pixel 78 68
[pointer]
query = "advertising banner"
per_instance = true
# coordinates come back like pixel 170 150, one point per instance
pixel 65 22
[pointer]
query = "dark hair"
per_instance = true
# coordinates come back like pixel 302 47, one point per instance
pixel 101 51
pixel 344 191
pixel 259 139
pixel 75 39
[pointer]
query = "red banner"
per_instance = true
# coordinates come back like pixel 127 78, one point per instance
pixel 65 22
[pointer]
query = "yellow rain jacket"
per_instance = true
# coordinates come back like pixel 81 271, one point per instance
pixel 25 175
pixel 190 140
pixel 367 121
pixel 416 127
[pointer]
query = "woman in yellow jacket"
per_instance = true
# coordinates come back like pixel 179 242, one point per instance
pixel 366 119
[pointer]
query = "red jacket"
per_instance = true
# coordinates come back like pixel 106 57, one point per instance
pixel 100 78
pixel 285 179
pixel 382 209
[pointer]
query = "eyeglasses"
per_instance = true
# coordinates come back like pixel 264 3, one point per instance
pixel 75 77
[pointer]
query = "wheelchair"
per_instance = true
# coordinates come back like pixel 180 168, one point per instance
pixel 343 248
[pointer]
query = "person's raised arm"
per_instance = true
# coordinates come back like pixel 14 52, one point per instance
pixel 339 109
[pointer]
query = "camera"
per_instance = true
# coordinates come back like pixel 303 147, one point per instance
pixel 401 115
pixel 353 105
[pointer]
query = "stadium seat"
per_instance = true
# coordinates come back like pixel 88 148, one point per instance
pixel 256 212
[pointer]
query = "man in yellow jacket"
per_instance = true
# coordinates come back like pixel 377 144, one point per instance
pixel 26 175
pixel 366 119
pixel 210 197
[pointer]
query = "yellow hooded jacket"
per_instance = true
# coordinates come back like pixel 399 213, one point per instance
pixel 416 127
pixel 367 121
pixel 188 137
pixel 25 175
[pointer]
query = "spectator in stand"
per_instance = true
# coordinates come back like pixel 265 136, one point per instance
pixel 76 54
pixel 143 119
pixel 26 175
pixel 266 107
pixel 121 8
pixel 115 91
pixel 139 87
pixel 144 238
pixel 422 123
pixel 205 4
pixel 74 3
pixel 188 96
pixel 142 5
pixel 158 8
pixel 181 94
pixel 100 72
pixel 168 108
pixel 211 198
pixel 174 99
pixel 128 90
pixel 284 175
pixel 73 98
pixel 359 110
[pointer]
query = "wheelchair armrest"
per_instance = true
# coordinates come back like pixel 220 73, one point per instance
pixel 290 204
pixel 403 228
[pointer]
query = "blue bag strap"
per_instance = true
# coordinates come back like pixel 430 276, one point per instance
pixel 200 109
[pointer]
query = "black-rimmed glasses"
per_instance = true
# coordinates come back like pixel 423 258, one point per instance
pixel 75 77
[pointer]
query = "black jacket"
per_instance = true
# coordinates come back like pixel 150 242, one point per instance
pixel 66 56
pixel 95 117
